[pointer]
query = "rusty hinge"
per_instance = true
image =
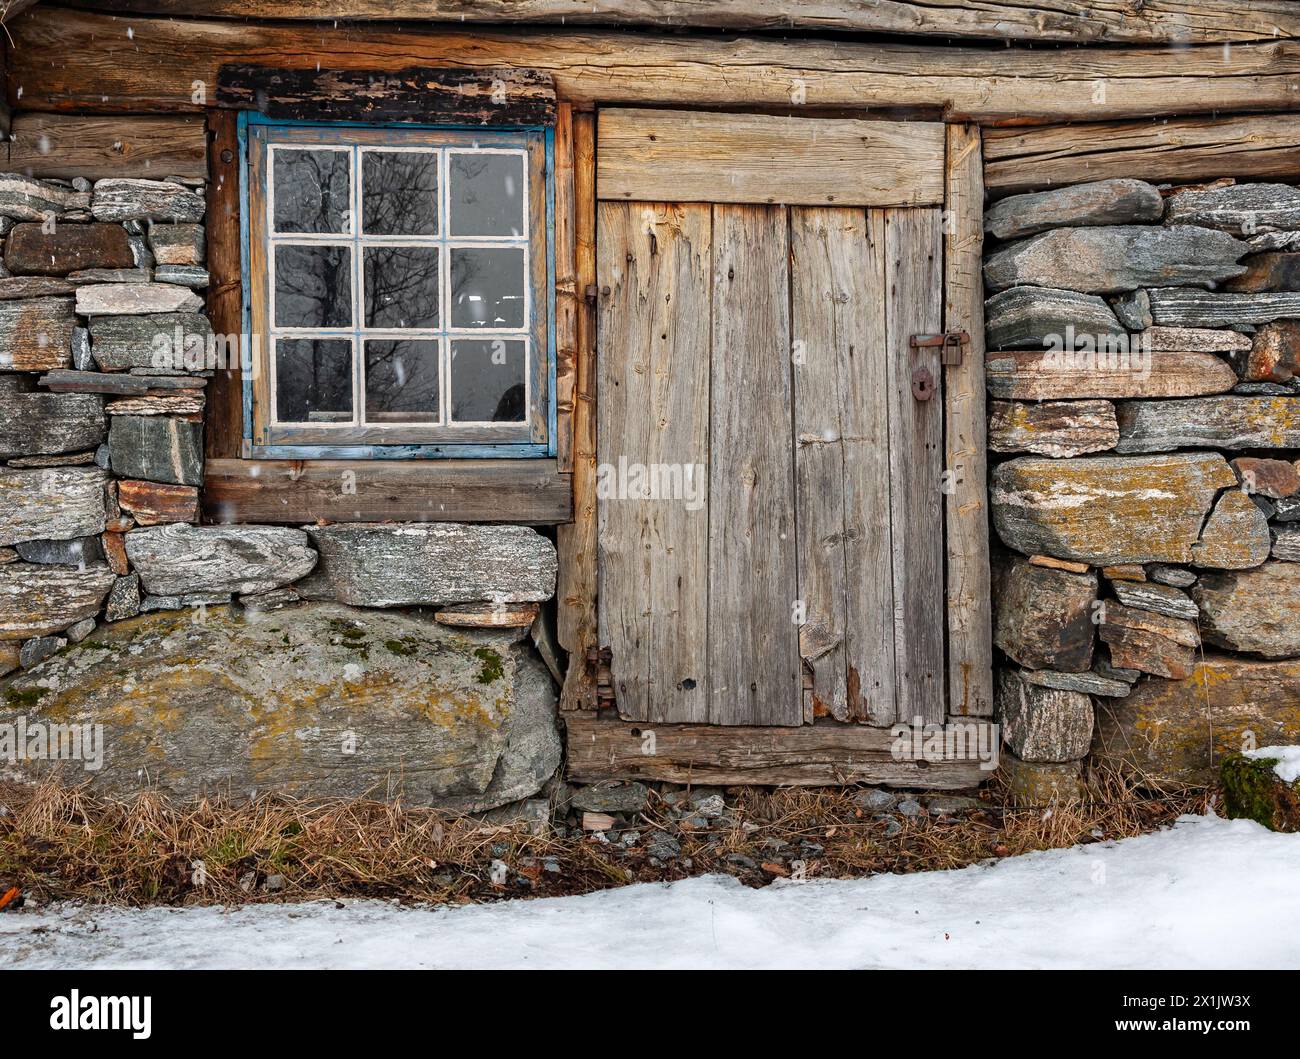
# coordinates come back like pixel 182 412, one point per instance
pixel 952 343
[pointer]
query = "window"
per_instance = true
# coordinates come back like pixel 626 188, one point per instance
pixel 399 292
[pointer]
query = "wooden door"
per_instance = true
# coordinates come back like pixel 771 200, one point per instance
pixel 762 353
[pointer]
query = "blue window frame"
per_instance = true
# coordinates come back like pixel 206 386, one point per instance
pixel 399 290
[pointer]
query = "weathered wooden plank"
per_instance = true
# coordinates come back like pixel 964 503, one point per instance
pixel 296 492
pixel 66 146
pixel 224 421
pixel 1180 150
pixel 71 60
pixel 417 93
pixel 576 542
pixel 842 461
pixel 914 274
pixel 826 754
pixel 683 156
pixel 567 297
pixel 970 645
pixel 754 667
pixel 652 427
pixel 1097 21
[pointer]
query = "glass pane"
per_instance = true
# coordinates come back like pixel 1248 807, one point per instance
pixel 401 286
pixel 487 194
pixel 487 380
pixel 487 287
pixel 311 190
pixel 313 380
pixel 402 381
pixel 313 286
pixel 399 191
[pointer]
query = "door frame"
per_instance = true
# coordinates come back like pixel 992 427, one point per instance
pixel 602 746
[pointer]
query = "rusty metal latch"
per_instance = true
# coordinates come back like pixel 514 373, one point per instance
pixel 952 343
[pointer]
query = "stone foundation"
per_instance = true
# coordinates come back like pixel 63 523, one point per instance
pixel 1144 419
pixel 118 608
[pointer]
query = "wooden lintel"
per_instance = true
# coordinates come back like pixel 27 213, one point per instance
pixel 416 94
pixel 1072 21
pixel 809 756
pixel 298 491
pixel 69 145
pixel 81 61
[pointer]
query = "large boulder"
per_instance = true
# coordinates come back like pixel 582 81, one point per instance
pixel 1174 733
pixel 1107 510
pixel 1252 610
pixel 316 700
pixel 413 564
pixel 181 559
pixel 1122 258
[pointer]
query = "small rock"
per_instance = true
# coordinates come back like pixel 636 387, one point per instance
pixel 1120 201
pixel 1153 643
pixel 1133 310
pixel 1177 576
pixel 74 552
pixel 1272 478
pixel 663 846
pixel 136 200
pixel 612 798
pixel 1161 599
pixel 1274 354
pixel 275 883
pixel 710 807
pixel 1035 784
pixel 1235 537
pixel 1090 683
pixel 893 826
pixel 39 648
pixel 1286 544
pixel 949 804
pixel 910 807
pixel 123 598
pixel 80 630
pixel 875 800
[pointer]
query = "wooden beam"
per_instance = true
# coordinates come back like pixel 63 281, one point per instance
pixel 567 295
pixel 63 145
pixel 423 94
pixel 72 60
pixel 683 156
pixel 1096 21
pixel 970 634
pixel 224 426
pixel 297 491
pixel 816 755
pixel 1185 150
pixel 576 543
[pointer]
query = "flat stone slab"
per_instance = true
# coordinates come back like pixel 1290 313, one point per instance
pixel 1243 209
pixel 1162 599
pixel 1036 375
pixel 1183 307
pixel 34 422
pixel 139 200
pixel 36 334
pixel 315 701
pixel 1032 316
pixel 1116 259
pixel 1052 428
pixel 1209 422
pixel 369 565
pixel 1107 510
pixel 181 559
pixel 38 600
pixel 1149 642
pixel 177 244
pixel 150 343
pixel 32 248
pixel 1256 611
pixel 25 199
pixel 51 503
pixel 157 449
pixel 1235 536
pixel 1174 733
pixel 1194 339
pixel 1090 683
pixel 1120 201
pixel 130 299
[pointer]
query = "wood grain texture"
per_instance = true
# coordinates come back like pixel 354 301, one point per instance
pixel 1109 21
pixel 566 289
pixel 970 643
pixel 818 755
pixel 754 665
pixel 842 461
pixel 1179 150
pixel 914 275
pixel 654 414
pixel 66 146
pixel 83 61
pixel 420 93
pixel 576 627
pixel 677 156
pixel 296 492
pixel 224 425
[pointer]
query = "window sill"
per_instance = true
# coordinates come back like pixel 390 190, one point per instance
pixel 302 491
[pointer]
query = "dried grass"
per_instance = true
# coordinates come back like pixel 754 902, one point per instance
pixel 61 843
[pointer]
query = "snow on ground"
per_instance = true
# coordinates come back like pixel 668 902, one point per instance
pixel 1287 768
pixel 1205 893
